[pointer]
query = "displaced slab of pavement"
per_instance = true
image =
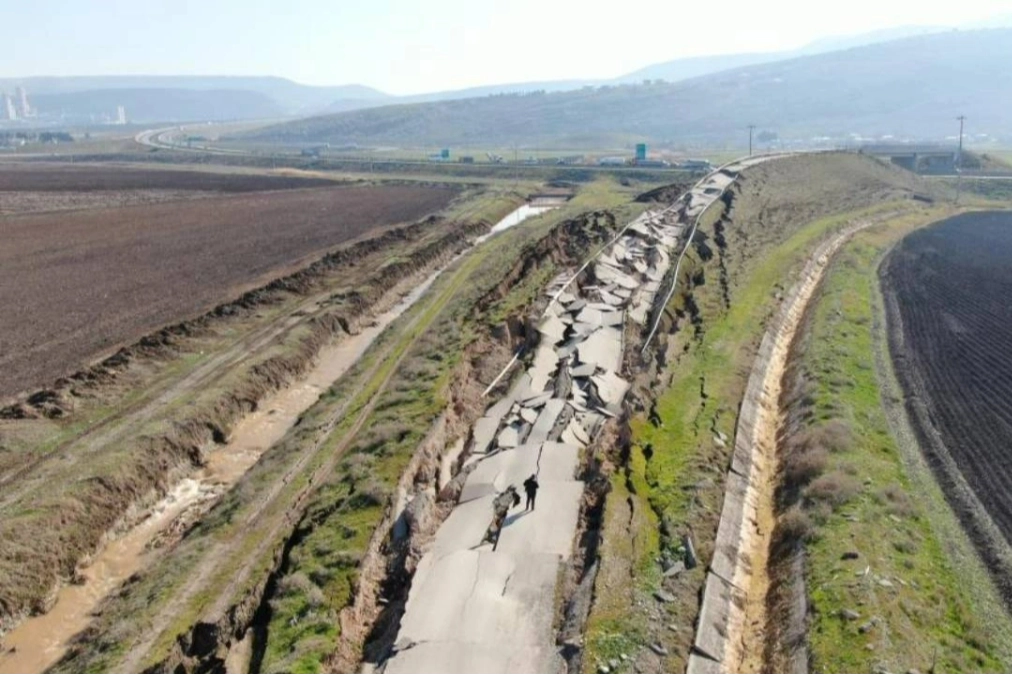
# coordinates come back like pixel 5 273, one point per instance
pixel 472 609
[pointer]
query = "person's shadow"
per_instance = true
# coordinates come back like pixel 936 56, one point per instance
pixel 515 517
pixel 506 523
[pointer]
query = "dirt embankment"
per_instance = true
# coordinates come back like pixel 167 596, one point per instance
pixel 51 532
pixel 664 195
pixel 382 575
pixel 430 487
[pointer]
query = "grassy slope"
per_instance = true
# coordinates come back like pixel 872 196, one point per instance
pixel 932 616
pixel 323 566
pixel 925 618
pixel 673 482
pixel 682 448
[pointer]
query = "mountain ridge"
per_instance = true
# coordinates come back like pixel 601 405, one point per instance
pixel 912 86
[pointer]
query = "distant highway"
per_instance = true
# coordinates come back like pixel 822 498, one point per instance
pixel 970 176
pixel 157 138
pixel 161 139
pixel 150 137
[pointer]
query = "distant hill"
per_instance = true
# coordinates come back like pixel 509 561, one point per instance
pixel 159 105
pixel 495 89
pixel 913 86
pixel 57 98
pixel 210 96
pixel 687 68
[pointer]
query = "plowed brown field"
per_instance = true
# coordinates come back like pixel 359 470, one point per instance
pixel 949 293
pixel 76 285
pixel 44 176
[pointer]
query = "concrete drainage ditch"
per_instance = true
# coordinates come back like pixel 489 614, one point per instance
pixel 731 629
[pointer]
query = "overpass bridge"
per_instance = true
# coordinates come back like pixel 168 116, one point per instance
pixel 923 158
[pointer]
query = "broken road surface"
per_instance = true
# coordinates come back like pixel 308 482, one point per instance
pixel 472 609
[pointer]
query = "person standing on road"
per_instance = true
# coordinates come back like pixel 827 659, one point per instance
pixel 531 488
pixel 501 505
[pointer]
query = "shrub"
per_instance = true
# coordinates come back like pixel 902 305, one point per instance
pixel 358 467
pixel 794 527
pixel 834 435
pixel 804 464
pixel 380 435
pixel 905 546
pixel 835 488
pixel 370 493
pixel 315 597
pixel 297 584
pixel 896 500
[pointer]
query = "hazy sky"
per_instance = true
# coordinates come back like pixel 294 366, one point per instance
pixel 412 46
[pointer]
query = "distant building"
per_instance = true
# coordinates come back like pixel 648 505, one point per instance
pixel 121 115
pixel 612 161
pixel 8 111
pixel 24 110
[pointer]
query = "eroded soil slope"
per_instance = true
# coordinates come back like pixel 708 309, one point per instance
pixel 76 285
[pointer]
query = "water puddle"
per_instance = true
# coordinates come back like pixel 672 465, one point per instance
pixel 515 218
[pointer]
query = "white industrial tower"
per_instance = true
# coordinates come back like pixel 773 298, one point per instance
pixel 7 110
pixel 21 96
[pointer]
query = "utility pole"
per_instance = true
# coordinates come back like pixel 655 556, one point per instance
pixel 751 127
pixel 516 168
pixel 959 158
pixel 959 155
